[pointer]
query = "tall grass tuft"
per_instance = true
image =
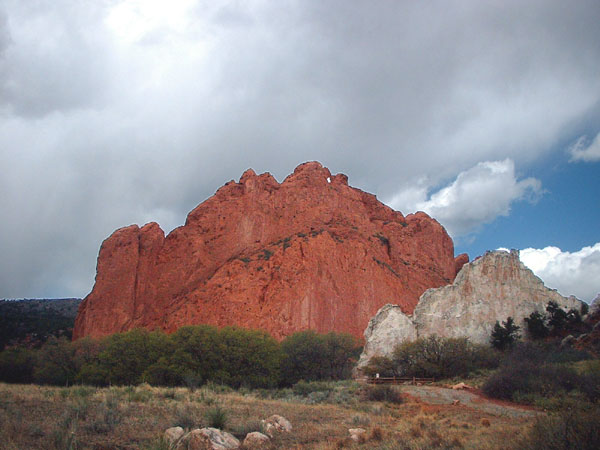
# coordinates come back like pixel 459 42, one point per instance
pixel 217 417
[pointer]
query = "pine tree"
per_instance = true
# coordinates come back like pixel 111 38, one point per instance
pixel 504 336
pixel 536 325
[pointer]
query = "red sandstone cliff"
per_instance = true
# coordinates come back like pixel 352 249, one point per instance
pixel 309 253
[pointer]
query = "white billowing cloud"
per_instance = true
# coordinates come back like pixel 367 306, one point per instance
pixel 571 273
pixel 584 150
pixel 477 196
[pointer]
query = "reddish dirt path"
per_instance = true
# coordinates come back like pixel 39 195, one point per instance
pixel 472 398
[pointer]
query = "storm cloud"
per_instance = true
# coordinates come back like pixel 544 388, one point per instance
pixel 116 112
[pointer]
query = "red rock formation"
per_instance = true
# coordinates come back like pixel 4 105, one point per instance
pixel 460 261
pixel 309 253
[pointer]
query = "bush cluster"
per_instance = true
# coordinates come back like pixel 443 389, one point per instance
pixel 506 335
pixel 434 357
pixel 556 321
pixel 533 371
pixel 191 356
pixel 576 428
pixel 310 356
pixel 383 393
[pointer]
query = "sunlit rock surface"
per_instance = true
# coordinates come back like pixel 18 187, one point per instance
pixel 308 253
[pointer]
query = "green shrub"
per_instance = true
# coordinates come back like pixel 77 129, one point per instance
pixel 64 434
pixel 529 372
pixel 81 391
pixel 304 388
pixel 504 336
pixel 505 383
pixel 55 363
pixel 164 372
pixel 440 357
pixel 382 365
pixel 107 416
pixel 16 365
pixel 562 355
pixel 127 355
pixel 590 381
pixel 536 325
pixel 383 393
pixel 310 356
pixel 229 356
pixel 232 357
pixel 186 417
pixel 217 417
pixel 576 428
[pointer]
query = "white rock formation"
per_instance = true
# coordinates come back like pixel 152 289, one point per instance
pixel 489 289
pixel 386 329
pixel 595 305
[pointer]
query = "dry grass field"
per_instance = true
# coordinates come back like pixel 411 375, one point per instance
pixel 80 417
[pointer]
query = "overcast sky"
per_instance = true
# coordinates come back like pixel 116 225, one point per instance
pixel 484 114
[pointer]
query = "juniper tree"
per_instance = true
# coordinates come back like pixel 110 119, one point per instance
pixel 504 336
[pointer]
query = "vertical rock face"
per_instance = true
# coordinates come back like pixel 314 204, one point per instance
pixel 308 253
pixel 388 328
pixel 489 289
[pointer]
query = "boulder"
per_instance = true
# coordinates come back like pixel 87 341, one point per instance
pixel 489 289
pixel 308 253
pixel 172 435
pixel 386 329
pixel 255 440
pixel 207 438
pixel 357 433
pixel 194 440
pixel 276 424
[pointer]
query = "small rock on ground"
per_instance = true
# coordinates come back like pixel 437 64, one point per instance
pixel 255 440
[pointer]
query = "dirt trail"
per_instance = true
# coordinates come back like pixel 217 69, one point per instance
pixel 443 396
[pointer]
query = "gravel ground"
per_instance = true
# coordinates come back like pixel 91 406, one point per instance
pixel 444 396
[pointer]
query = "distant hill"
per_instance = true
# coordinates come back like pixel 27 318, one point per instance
pixel 30 322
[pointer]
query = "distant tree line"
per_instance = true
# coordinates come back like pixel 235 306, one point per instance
pixel 32 322
pixel 191 356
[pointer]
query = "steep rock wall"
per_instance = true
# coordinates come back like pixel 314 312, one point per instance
pixel 308 253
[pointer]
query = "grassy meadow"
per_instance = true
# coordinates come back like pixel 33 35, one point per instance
pixel 81 417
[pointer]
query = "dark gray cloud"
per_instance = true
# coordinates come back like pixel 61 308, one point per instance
pixel 115 112
pixel 53 59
